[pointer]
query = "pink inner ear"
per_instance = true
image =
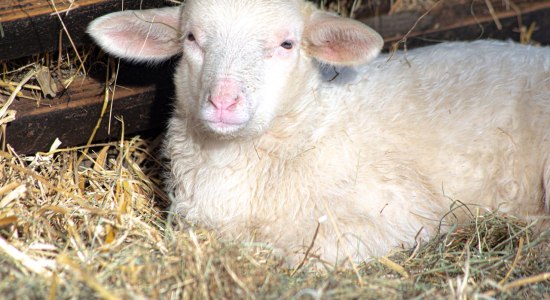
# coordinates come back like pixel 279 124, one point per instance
pixel 149 35
pixel 142 44
pixel 341 49
pixel 339 41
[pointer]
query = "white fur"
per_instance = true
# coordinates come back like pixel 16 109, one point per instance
pixel 383 150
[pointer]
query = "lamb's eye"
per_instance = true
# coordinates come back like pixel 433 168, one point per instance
pixel 287 45
pixel 190 37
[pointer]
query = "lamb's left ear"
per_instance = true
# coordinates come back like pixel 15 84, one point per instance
pixel 340 41
pixel 143 35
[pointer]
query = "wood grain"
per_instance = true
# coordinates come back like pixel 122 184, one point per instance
pixel 143 103
pixel 463 22
pixel 32 26
pixel 11 10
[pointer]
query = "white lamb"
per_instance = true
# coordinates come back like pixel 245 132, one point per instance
pixel 279 123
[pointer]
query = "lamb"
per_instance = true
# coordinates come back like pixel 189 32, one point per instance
pixel 289 127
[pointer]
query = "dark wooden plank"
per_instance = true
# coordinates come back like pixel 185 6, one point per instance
pixel 462 22
pixel 31 26
pixel 143 102
pixel 486 30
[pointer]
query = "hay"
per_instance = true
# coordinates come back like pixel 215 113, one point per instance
pixel 99 229
pixel 92 222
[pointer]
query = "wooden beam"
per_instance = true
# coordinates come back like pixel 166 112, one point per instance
pixel 488 30
pixel 143 103
pixel 463 22
pixel 29 27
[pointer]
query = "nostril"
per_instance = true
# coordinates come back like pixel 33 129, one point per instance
pixel 212 102
pixel 225 102
pixel 233 104
pixel 232 107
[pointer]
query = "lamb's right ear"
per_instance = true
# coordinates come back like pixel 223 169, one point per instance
pixel 143 35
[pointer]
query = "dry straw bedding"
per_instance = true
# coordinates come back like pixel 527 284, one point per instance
pixel 80 225
pixel 92 222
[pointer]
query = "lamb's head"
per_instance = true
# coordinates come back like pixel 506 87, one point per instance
pixel 243 60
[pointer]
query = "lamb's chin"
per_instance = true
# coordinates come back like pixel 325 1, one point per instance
pixel 247 133
pixel 224 129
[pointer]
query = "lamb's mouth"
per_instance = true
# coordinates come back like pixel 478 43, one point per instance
pixel 224 127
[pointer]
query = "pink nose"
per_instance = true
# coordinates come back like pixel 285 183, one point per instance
pixel 225 95
pixel 224 102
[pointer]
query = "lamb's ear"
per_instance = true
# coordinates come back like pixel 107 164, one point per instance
pixel 143 35
pixel 340 41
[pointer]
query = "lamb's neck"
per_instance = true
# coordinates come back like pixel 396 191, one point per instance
pixel 293 132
